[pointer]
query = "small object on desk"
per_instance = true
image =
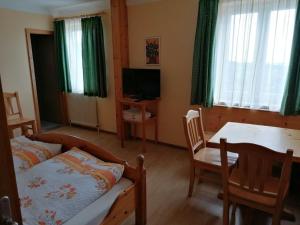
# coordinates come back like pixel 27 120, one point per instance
pixel 135 114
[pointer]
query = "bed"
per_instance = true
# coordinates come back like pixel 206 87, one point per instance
pixel 125 197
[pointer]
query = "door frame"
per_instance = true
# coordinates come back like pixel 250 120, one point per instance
pixel 28 32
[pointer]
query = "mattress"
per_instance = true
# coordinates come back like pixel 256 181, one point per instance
pixel 96 212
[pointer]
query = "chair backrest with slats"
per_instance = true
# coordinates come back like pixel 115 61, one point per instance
pixel 12 105
pixel 194 132
pixel 254 168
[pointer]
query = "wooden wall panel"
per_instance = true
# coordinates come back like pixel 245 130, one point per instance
pixel 216 117
pixel 120 50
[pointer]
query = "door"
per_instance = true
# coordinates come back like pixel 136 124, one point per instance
pixel 9 199
pixel 47 80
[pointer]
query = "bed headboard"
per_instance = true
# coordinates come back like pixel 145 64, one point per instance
pixel 69 142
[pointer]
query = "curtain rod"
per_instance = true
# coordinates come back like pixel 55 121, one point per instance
pixel 80 16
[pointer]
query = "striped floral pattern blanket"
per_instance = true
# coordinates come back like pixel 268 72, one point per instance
pixel 27 153
pixel 56 190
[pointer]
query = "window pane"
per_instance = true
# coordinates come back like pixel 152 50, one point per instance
pixel 74 51
pixel 242 37
pixel 252 52
pixel 280 36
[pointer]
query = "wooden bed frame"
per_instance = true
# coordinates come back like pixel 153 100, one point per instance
pixel 132 199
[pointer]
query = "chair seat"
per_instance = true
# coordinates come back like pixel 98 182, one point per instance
pixel 268 198
pixel 18 122
pixel 212 158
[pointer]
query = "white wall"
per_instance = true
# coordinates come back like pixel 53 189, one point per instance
pixel 14 66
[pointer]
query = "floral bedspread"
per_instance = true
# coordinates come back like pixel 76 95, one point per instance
pixel 27 153
pixel 56 190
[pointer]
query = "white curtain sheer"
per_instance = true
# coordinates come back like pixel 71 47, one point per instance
pixel 74 52
pixel 252 52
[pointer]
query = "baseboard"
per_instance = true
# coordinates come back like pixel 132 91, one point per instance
pixel 115 133
pixel 87 127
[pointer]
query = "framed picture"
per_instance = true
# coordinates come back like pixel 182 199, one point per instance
pixel 152 50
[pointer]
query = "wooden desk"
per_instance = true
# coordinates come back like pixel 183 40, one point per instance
pixel 143 106
pixel 275 138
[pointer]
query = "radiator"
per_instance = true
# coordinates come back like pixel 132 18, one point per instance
pixel 83 110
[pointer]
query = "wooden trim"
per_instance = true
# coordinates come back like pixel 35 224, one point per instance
pixel 38 31
pixel 216 117
pixel 8 185
pixel 28 32
pixel 64 108
pixel 80 16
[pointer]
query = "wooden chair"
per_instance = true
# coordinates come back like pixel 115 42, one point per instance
pixel 201 157
pixel 15 117
pixel 251 182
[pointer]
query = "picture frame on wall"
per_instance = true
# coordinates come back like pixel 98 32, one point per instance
pixel 152 50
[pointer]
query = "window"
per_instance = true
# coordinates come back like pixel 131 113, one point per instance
pixel 252 52
pixel 74 52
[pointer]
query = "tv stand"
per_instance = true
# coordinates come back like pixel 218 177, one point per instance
pixel 143 106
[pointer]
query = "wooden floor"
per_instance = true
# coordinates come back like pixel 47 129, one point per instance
pixel 167 184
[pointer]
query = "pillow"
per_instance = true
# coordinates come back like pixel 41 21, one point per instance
pixel 112 172
pixel 27 153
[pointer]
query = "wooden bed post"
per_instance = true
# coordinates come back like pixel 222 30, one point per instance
pixel 140 193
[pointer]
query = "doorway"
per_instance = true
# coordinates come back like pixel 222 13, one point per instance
pixel 45 80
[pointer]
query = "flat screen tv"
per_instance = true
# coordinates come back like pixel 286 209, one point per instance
pixel 141 83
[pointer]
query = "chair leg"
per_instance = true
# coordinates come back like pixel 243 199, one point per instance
pixel 233 211
pixel 201 172
pixel 24 129
pixel 248 216
pixel 192 180
pixel 225 212
pixel 276 218
pixel 11 133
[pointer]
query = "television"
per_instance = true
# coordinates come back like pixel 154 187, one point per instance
pixel 141 83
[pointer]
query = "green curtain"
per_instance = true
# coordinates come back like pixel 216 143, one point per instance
pixel 291 99
pixel 62 58
pixel 202 80
pixel 93 57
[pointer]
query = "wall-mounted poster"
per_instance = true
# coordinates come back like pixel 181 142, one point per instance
pixel 152 50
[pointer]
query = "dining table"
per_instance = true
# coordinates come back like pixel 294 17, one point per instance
pixel 275 138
